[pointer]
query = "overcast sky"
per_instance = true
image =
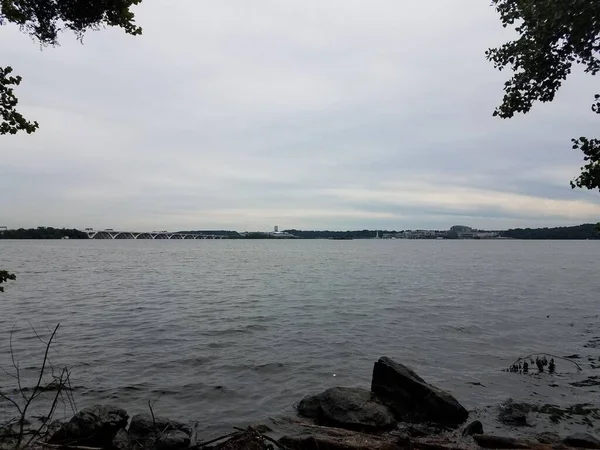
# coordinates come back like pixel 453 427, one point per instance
pixel 313 114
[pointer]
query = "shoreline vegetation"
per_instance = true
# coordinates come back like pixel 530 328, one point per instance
pixel 400 411
pixel 587 231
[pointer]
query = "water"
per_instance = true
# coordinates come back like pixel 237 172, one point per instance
pixel 232 332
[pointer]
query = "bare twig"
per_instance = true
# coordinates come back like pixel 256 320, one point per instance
pixel 36 334
pixel 14 435
pixel 8 373
pixel 65 375
pixel 270 439
pixel 255 431
pixel 8 399
pixel 267 438
pixel 26 435
pixel 69 395
pixel 220 438
pixel 158 434
pixel 194 437
pixel 14 363
pixel 155 428
pixel 36 389
pixel 68 447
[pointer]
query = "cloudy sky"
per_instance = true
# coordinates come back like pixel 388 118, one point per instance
pixel 241 114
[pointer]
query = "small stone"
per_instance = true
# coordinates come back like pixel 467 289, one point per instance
pixel 122 441
pixel 513 413
pixel 173 440
pixel 144 425
pixel 475 427
pixel 548 437
pixel 582 440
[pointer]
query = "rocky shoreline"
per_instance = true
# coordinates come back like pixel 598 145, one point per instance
pixel 400 411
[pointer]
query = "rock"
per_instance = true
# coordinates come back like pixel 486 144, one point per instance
pixel 172 440
pixel 488 441
pixel 322 438
pixel 582 440
pixel 416 430
pixel 95 426
pixel 122 441
pixel 350 408
pixel 247 440
pixel 512 413
pixel 262 428
pixel 475 427
pixel 411 398
pixel 143 425
pixel 159 433
pixel 548 437
pixel 439 443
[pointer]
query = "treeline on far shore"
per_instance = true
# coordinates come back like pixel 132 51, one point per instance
pixel 43 233
pixel 579 232
pixel 585 231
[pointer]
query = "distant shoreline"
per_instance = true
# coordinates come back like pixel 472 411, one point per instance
pixel 587 231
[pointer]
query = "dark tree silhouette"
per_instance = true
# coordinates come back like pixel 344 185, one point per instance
pixel 4 277
pixel 553 36
pixel 43 20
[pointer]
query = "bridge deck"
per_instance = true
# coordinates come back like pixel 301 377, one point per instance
pixel 115 234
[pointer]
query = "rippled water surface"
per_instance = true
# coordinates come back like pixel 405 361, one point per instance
pixel 228 332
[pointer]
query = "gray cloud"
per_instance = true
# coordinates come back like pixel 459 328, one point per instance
pixel 330 114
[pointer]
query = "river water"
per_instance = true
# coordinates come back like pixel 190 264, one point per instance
pixel 231 332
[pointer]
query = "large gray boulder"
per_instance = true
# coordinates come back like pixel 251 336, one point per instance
pixel 95 426
pixel 411 398
pixel 350 408
pixel 159 433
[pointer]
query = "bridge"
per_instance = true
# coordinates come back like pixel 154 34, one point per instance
pixel 115 234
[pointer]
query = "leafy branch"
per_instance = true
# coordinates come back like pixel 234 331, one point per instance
pixel 552 37
pixel 4 277
pixel 11 121
pixel 44 21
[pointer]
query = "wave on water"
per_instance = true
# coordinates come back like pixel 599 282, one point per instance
pixel 228 331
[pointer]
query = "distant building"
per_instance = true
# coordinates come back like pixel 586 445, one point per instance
pixel 461 229
pixel 281 234
pixel 486 235
pixel 462 232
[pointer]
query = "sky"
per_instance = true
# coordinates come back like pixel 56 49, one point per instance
pixel 320 114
